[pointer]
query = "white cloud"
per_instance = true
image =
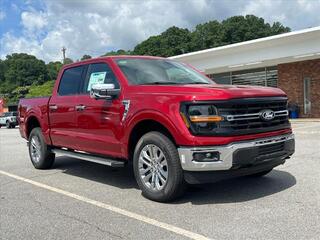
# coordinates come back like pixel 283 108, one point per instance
pixel 2 15
pixel 95 27
pixel 33 20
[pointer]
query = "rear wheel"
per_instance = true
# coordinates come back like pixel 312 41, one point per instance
pixel 157 168
pixel 40 155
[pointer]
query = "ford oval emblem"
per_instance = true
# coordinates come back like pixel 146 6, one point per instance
pixel 267 115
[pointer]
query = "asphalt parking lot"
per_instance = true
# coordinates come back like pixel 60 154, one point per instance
pixel 82 200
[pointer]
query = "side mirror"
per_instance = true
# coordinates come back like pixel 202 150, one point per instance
pixel 104 91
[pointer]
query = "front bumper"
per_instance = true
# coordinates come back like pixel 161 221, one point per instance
pixel 239 154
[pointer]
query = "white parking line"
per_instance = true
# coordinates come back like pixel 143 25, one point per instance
pixel 166 226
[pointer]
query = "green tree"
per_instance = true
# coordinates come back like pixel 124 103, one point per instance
pixel 2 70
pixel 53 69
pixel 67 61
pixel 207 35
pixel 43 90
pixel 118 52
pixel 173 41
pixel 84 57
pixel 22 69
pixel 243 28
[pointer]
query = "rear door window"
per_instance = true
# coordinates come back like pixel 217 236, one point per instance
pixel 70 81
pixel 99 73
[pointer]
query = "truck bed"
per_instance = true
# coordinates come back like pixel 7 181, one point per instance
pixel 33 105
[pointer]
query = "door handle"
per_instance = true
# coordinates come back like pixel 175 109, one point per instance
pixel 53 108
pixel 80 107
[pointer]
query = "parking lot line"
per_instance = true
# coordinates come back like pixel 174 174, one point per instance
pixel 165 226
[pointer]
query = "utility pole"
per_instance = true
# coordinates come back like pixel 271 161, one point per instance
pixel 64 54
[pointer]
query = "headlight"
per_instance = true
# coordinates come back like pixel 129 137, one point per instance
pixel 201 118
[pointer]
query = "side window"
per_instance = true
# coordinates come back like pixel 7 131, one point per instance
pixel 70 81
pixel 99 73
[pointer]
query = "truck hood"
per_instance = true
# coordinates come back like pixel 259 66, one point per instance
pixel 210 91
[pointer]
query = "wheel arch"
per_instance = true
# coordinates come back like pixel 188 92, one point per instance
pixel 144 126
pixel 31 123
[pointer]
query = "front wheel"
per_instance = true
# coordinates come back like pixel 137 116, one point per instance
pixel 40 155
pixel 157 168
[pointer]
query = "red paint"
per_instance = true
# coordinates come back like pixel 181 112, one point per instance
pixel 100 129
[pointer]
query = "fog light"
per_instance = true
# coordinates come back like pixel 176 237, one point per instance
pixel 206 156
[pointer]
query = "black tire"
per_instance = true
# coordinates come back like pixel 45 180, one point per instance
pixel 8 125
pixel 175 184
pixel 45 157
pixel 261 174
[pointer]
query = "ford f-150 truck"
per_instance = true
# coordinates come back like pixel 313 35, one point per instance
pixel 175 125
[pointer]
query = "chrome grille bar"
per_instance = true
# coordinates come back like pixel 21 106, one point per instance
pixel 250 116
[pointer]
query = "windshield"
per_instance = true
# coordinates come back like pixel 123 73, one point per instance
pixel 159 71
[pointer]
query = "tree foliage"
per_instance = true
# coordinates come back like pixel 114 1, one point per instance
pixel 118 52
pixel 53 69
pixel 86 56
pixel 171 42
pixel 43 90
pixel 67 61
pixel 22 69
pixel 22 74
pixel 211 34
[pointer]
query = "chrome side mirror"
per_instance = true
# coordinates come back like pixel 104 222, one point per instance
pixel 104 91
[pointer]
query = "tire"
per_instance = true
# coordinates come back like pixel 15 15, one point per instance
pixel 261 174
pixel 8 125
pixel 40 155
pixel 164 166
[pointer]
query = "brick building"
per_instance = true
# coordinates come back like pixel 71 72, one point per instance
pixel 290 61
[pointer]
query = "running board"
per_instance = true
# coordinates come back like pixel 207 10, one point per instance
pixel 90 158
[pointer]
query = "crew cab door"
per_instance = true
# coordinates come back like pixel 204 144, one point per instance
pixel 62 108
pixel 99 121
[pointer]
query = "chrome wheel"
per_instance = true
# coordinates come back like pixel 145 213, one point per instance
pixel 153 167
pixel 35 149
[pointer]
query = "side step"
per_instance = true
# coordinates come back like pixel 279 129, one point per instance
pixel 90 158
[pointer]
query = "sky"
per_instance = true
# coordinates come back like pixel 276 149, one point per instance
pixel 94 27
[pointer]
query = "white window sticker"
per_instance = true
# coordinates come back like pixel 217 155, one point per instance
pixel 96 78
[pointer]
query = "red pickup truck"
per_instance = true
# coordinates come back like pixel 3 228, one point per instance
pixel 175 125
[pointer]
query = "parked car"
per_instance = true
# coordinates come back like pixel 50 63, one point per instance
pixel 175 125
pixel 9 119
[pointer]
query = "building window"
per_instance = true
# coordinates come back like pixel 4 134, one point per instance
pixel 221 78
pixel 260 77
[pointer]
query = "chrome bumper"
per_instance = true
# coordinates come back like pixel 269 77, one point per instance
pixel 226 153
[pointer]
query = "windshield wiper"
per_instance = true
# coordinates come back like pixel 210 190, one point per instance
pixel 161 83
pixel 196 83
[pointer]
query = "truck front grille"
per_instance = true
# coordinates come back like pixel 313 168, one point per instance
pixel 243 116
